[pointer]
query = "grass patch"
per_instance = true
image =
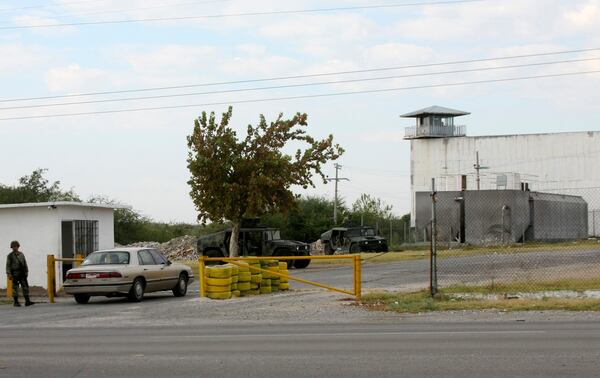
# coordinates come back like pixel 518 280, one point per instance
pixel 446 299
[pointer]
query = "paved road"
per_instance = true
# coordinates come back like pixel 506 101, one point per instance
pixel 361 350
pixel 477 268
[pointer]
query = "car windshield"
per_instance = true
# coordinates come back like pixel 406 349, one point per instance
pixel 368 232
pixel 107 258
pixel 353 232
pixel 272 235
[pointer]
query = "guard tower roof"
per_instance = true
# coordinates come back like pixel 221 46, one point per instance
pixel 435 110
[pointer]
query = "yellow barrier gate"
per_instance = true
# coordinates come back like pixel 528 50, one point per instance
pixel 9 290
pixel 233 260
pixel 51 265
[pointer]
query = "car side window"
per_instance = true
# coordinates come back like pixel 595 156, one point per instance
pixel 158 258
pixel 145 257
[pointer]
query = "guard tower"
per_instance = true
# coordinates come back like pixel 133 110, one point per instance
pixel 435 122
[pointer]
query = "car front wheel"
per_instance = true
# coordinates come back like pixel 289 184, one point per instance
pixel 137 290
pixel 82 298
pixel 181 289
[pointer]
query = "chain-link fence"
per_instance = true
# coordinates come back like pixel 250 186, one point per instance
pixel 512 237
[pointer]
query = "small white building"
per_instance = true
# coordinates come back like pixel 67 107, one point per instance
pixel 62 229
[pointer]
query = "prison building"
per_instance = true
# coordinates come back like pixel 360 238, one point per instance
pixel 553 163
pixel 62 229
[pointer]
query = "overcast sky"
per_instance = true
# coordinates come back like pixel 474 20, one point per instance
pixel 139 157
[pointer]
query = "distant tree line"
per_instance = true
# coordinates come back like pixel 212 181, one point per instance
pixel 305 221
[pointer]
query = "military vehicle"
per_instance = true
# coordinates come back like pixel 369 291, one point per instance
pixel 255 240
pixel 353 240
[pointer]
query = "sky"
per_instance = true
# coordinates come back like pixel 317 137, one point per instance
pixel 139 157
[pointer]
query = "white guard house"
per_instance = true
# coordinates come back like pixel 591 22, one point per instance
pixel 62 229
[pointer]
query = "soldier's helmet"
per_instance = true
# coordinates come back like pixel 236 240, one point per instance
pixel 14 243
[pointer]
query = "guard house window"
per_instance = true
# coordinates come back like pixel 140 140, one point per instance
pixel 86 236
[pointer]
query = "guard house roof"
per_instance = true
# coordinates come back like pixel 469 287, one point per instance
pixel 435 110
pixel 62 203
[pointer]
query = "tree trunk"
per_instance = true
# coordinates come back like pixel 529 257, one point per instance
pixel 234 247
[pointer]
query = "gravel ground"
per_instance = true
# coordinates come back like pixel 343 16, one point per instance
pixel 297 306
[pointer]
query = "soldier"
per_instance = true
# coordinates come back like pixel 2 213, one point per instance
pixel 17 270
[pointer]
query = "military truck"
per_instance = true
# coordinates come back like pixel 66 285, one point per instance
pixel 255 240
pixel 353 240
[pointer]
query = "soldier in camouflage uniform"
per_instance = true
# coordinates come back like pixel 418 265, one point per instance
pixel 17 270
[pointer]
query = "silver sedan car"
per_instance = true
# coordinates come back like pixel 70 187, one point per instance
pixel 127 272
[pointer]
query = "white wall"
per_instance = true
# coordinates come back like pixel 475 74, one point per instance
pixel 38 229
pixel 565 163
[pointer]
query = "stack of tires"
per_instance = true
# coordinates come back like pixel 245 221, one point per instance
pixel 255 278
pixel 244 279
pixel 284 282
pixel 219 281
pixel 275 279
pixel 265 285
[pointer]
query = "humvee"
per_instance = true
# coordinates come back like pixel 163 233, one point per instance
pixel 255 240
pixel 353 240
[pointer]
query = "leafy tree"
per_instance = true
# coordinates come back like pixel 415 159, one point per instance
pixel 35 188
pixel 366 204
pixel 233 178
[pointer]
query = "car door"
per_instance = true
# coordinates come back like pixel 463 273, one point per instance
pixel 167 274
pixel 150 270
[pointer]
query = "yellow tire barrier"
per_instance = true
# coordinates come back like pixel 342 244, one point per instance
pixel 236 293
pixel 283 266
pixel 244 286
pixel 266 282
pixel 284 279
pixel 256 278
pixel 218 281
pixel 284 286
pixel 245 277
pixel 274 289
pixel 254 292
pixel 219 271
pixel 234 286
pixel 235 279
pixel 243 267
pixel 226 295
pixel 254 286
pixel 265 290
pixel 218 289
pixel 234 270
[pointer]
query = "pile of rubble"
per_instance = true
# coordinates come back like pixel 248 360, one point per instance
pixel 181 248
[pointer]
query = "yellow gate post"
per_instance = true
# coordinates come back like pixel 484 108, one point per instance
pixel 357 277
pixel 9 290
pixel 51 278
pixel 78 260
pixel 201 266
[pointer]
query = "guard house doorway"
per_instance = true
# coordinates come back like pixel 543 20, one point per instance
pixel 79 237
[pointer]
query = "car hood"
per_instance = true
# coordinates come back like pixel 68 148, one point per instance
pixel 361 238
pixel 286 243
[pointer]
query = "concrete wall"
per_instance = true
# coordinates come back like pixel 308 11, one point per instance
pixel 557 217
pixel 502 216
pixel 38 229
pixel 565 163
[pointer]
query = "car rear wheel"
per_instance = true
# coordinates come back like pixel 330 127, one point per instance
pixel 136 293
pixel 82 298
pixel 354 248
pixel 181 289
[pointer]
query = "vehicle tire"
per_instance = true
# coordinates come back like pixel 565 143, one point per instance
pixel 181 288
pixel 284 252
pixel 354 248
pixel 82 298
pixel 136 293
pixel 214 253
pixel 301 264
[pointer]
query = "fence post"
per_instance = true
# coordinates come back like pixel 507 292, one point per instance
pixel 202 280
pixel 51 278
pixel 357 277
pixel 9 290
pixel 433 254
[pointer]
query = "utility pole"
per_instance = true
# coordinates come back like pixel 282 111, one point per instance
pixel 478 168
pixel 336 179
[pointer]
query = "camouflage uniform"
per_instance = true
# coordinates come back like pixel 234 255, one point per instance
pixel 16 267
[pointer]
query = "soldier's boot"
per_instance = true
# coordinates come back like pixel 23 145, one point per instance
pixel 16 303
pixel 28 302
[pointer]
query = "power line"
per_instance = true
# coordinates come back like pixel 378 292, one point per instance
pixel 296 85
pixel 49 5
pixel 265 13
pixel 247 81
pixel 303 96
